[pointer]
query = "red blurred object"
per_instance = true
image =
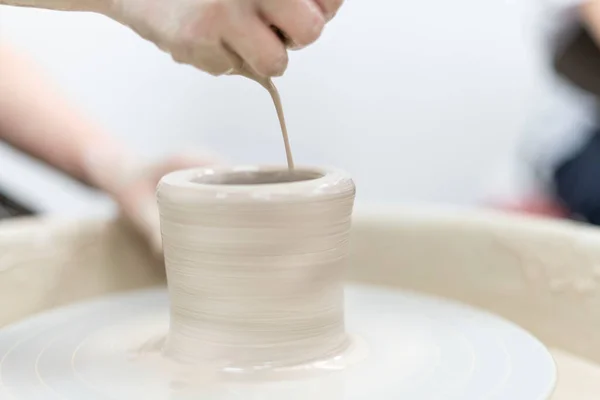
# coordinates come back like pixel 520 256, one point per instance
pixel 541 207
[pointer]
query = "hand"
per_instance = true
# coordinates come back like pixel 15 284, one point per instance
pixel 137 196
pixel 222 36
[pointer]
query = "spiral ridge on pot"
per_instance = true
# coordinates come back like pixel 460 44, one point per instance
pixel 255 259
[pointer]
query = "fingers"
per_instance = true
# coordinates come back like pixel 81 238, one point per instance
pixel 145 218
pixel 211 57
pixel 302 21
pixel 213 35
pixel 329 7
pixel 197 38
pixel 258 46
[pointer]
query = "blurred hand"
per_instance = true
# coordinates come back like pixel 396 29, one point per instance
pixel 136 196
pixel 223 36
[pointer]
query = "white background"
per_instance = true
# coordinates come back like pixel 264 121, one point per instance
pixel 419 100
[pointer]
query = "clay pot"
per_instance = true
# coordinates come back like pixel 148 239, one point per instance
pixel 255 258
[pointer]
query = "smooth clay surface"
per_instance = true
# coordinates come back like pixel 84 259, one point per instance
pixel 541 274
pixel 268 84
pixel 254 266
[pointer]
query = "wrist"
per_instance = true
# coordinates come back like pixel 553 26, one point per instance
pixel 103 7
pixel 98 6
pixel 108 8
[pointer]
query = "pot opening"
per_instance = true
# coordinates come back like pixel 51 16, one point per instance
pixel 257 177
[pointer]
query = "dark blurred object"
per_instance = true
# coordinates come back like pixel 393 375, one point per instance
pixel 577 179
pixel 579 62
pixel 577 182
pixel 10 208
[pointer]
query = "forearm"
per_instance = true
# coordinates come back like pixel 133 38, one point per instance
pixel 100 6
pixel 36 119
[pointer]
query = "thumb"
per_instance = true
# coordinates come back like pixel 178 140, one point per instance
pixel 144 216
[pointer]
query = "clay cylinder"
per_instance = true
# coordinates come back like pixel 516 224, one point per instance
pixel 255 259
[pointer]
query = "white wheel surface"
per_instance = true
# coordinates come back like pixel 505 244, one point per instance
pixel 418 348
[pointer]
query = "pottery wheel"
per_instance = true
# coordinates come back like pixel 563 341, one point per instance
pixel 417 347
